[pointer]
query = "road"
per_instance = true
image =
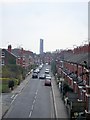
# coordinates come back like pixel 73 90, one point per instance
pixel 34 101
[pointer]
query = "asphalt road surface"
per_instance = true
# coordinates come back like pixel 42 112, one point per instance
pixel 35 101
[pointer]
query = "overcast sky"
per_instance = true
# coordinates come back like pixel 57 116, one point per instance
pixel 60 24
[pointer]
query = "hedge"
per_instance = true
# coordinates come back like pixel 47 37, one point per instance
pixel 4 88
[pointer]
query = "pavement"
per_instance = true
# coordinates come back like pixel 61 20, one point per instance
pixel 17 90
pixel 60 109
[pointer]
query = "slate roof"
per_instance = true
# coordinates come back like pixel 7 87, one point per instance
pixel 77 58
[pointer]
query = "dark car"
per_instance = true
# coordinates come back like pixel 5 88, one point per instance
pixel 47 71
pixel 34 75
pixel 42 76
pixel 35 71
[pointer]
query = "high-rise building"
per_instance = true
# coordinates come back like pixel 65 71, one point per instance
pixel 41 46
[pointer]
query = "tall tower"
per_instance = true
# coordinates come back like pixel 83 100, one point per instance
pixel 41 46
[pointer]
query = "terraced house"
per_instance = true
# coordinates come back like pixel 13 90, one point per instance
pixel 74 67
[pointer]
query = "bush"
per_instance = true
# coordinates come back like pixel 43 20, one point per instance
pixel 13 71
pixel 53 67
pixel 5 88
pixel 5 83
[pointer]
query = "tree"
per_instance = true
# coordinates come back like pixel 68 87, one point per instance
pixel 53 67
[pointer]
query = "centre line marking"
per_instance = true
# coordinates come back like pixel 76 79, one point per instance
pixel 34 101
pixel 36 93
pixel 32 108
pixel 30 114
pixel 35 97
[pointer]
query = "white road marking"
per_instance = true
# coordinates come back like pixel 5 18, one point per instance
pixel 36 92
pixel 15 96
pixel 33 104
pixel 30 114
pixel 32 107
pixel 35 97
pixel 12 96
pixel 12 101
pixel 34 101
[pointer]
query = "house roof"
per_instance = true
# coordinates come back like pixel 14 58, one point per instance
pixel 9 52
pixel 77 58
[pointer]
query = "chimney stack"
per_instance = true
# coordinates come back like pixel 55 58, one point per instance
pixel 9 48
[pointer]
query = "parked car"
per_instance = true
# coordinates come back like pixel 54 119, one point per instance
pixel 35 71
pixel 42 76
pixel 40 67
pixel 47 71
pixel 34 75
pixel 47 82
pixel 48 76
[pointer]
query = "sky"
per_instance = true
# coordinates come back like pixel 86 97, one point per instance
pixel 62 25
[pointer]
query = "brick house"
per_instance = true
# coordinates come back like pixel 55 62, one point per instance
pixel 7 57
pixel 16 56
pixel 72 67
pixel 24 57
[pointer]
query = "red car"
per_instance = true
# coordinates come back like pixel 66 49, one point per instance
pixel 47 82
